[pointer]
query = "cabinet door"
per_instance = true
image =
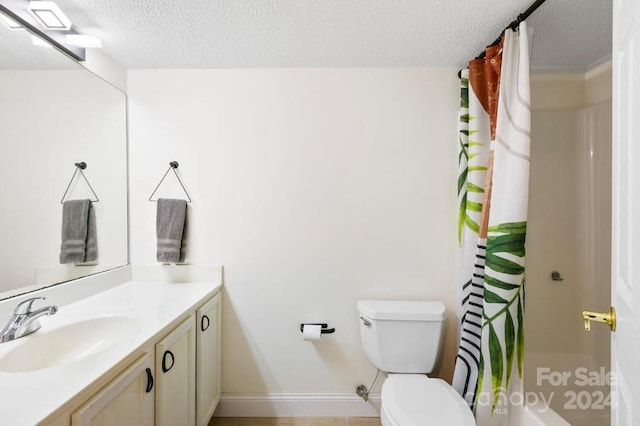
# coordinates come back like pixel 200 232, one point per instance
pixel 208 359
pixel 126 401
pixel 176 373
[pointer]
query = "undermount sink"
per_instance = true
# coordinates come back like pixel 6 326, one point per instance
pixel 66 344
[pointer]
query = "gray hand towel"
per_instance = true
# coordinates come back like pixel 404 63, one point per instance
pixel 170 220
pixel 91 250
pixel 79 242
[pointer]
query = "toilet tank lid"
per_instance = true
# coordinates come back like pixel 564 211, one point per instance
pixel 407 310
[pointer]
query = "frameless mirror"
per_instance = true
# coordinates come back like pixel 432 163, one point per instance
pixel 53 114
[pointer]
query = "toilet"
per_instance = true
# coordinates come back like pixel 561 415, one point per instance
pixel 403 339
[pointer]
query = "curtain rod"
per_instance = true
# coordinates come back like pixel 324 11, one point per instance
pixel 514 25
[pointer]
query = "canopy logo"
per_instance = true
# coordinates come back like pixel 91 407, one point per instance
pixel 509 399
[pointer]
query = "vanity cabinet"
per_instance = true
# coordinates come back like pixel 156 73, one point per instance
pixel 176 376
pixel 174 382
pixel 128 400
pixel 208 359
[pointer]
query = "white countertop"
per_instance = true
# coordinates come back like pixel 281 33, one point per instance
pixel 156 307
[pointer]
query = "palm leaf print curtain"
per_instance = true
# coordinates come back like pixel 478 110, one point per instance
pixel 493 186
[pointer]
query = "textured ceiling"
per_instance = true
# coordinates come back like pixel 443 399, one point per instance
pixel 569 34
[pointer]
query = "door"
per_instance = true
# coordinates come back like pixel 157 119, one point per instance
pixel 625 265
pixel 175 376
pixel 208 348
pixel 126 401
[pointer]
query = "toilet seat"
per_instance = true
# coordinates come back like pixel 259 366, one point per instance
pixel 417 400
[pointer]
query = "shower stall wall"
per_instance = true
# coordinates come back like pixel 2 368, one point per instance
pixel 569 232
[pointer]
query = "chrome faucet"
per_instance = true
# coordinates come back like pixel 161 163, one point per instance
pixel 25 321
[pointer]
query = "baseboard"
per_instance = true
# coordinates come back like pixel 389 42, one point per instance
pixel 298 405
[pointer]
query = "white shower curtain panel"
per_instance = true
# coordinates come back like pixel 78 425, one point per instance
pixel 488 370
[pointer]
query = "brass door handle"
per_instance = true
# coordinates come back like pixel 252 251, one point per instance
pixel 605 317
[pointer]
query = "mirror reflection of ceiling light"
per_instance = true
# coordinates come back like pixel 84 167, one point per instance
pixel 82 40
pixel 10 23
pixel 49 15
pixel 37 41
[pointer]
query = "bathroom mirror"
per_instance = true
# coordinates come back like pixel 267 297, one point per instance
pixel 55 113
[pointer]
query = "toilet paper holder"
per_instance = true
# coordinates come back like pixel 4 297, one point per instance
pixel 323 327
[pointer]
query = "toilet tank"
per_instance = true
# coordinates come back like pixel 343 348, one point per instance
pixel 402 336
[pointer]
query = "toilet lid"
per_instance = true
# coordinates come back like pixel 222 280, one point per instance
pixel 417 400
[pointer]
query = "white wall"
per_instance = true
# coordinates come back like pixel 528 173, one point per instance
pixel 106 68
pixel 314 188
pixel 555 227
pixel 571 91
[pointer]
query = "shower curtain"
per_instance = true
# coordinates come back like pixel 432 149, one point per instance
pixel 493 185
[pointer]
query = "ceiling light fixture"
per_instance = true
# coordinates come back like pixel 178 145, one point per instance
pixel 82 40
pixel 50 15
pixel 10 23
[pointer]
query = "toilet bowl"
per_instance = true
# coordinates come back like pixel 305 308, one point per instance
pixel 417 400
pixel 403 339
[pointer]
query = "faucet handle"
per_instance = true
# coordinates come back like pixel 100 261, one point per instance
pixel 24 307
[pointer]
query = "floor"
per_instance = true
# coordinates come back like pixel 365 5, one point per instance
pixel 295 421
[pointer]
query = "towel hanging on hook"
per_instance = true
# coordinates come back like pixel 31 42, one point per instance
pixel 79 168
pixel 172 166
